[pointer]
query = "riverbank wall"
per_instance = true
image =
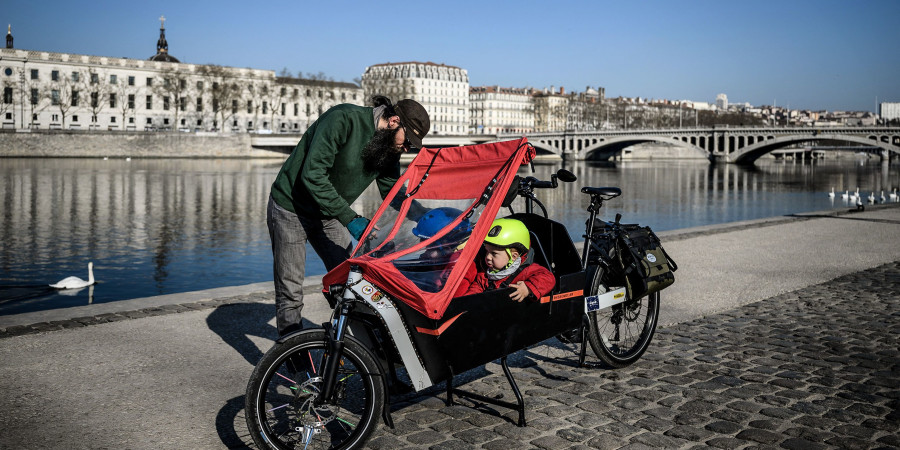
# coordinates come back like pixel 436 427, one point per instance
pixel 118 144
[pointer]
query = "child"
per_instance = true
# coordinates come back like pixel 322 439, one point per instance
pixel 505 246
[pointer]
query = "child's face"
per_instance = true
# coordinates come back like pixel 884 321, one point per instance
pixel 496 258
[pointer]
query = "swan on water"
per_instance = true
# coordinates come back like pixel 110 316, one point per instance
pixel 871 197
pixel 75 282
pixel 831 194
pixel 882 196
pixel 893 195
pixel 845 195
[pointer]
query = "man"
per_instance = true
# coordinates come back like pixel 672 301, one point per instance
pixel 339 156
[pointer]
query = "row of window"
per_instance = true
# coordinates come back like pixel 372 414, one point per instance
pixel 55 75
pixel 75 98
pixel 54 119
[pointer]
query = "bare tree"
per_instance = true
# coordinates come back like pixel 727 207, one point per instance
pixel 252 91
pixel 172 87
pixel 220 84
pixel 98 91
pixel 275 94
pixel 38 93
pixel 65 93
pixel 319 94
pixel 122 97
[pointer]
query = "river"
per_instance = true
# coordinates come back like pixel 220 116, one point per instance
pixel 154 226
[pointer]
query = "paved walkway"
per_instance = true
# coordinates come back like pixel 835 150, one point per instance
pixel 781 332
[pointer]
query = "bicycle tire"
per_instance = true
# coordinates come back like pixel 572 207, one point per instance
pixel 279 406
pixel 619 335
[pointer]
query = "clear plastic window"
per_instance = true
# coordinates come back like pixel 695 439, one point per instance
pixel 424 242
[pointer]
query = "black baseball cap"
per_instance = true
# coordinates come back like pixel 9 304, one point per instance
pixel 414 119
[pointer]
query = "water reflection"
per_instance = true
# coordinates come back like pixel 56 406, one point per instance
pixel 155 227
pixel 150 226
pixel 673 194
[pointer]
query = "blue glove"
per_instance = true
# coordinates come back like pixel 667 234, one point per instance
pixel 357 226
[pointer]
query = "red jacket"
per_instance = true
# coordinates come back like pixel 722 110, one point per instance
pixel 538 280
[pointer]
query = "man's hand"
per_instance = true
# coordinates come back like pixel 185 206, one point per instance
pixel 357 226
pixel 521 291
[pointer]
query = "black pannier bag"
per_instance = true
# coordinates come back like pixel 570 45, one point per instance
pixel 637 259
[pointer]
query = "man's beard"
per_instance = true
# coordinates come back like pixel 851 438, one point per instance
pixel 379 153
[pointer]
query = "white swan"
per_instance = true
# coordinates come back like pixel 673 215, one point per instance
pixel 853 195
pixel 871 197
pixel 893 195
pixel 831 194
pixel 75 282
pixel 882 196
pixel 845 195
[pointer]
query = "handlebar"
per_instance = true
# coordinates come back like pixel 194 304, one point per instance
pixel 529 184
pixel 561 175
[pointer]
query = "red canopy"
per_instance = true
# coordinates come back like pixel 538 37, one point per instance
pixel 477 175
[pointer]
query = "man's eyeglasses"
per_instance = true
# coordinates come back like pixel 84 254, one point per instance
pixel 407 144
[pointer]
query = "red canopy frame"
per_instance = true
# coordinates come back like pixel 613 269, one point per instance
pixel 477 175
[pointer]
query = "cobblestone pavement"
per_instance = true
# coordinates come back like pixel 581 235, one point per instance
pixel 814 368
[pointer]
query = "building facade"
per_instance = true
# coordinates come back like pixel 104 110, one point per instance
pixel 722 102
pixel 497 110
pixel 585 109
pixel 551 110
pixel 48 90
pixel 443 91
pixel 890 111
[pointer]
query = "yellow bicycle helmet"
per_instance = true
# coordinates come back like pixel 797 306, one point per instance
pixel 509 233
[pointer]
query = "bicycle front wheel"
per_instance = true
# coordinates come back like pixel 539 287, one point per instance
pixel 280 408
pixel 620 334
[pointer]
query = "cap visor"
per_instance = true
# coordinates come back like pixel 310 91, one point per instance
pixel 412 137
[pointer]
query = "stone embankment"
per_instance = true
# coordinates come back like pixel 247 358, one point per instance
pixel 136 144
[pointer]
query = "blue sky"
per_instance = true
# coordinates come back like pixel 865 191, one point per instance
pixel 834 55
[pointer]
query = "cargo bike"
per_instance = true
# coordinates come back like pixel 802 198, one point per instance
pixel 398 305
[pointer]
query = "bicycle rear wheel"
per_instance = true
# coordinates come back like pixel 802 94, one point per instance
pixel 620 334
pixel 279 401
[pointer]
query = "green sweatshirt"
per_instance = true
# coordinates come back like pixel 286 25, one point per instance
pixel 325 172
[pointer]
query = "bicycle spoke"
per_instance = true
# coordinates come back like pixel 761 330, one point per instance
pixel 278 407
pixel 286 378
pixel 311 363
pixel 348 423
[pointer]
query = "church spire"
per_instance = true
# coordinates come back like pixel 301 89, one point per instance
pixel 161 45
pixel 9 38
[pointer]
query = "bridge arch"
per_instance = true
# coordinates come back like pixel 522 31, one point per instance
pixel 544 148
pixel 750 153
pixel 607 148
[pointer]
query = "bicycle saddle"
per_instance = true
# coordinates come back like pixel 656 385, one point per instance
pixel 608 192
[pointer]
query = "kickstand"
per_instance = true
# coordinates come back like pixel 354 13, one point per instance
pixel 583 352
pixel 518 406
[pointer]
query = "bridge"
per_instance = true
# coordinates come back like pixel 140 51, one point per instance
pixel 732 145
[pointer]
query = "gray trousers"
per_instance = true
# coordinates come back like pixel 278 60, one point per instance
pixel 289 233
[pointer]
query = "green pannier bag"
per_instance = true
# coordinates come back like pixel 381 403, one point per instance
pixel 646 267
